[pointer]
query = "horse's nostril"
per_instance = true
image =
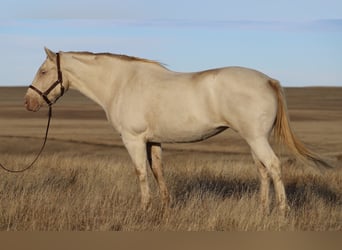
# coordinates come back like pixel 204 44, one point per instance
pixel 26 100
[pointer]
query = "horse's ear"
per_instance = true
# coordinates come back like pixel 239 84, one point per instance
pixel 50 54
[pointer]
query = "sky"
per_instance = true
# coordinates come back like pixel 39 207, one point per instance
pixel 296 42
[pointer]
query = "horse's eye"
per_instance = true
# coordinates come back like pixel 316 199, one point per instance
pixel 43 72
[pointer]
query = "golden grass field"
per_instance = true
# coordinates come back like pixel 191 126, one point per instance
pixel 86 181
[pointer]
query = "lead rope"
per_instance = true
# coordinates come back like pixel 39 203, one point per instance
pixel 40 151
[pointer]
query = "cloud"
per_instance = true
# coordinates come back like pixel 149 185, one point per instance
pixel 324 25
pixel 74 27
pixel 333 25
pixel 329 25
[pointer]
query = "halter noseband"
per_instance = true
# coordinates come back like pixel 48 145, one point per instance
pixel 59 81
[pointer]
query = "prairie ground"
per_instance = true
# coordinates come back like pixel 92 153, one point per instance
pixel 86 181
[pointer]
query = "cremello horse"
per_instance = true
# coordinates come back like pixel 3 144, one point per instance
pixel 149 104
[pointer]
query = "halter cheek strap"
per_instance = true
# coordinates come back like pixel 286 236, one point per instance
pixel 59 81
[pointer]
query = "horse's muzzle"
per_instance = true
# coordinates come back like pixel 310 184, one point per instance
pixel 32 104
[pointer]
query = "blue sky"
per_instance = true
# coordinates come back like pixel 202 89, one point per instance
pixel 297 42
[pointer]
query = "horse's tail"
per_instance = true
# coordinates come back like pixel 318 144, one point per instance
pixel 283 132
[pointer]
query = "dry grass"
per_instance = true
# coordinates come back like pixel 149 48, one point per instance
pixel 85 180
pixel 78 192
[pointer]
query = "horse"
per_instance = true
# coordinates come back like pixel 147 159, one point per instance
pixel 149 104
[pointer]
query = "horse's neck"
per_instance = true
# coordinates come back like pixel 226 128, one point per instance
pixel 93 80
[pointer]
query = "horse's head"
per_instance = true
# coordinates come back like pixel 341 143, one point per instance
pixel 47 85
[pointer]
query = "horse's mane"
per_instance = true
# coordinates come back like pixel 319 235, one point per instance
pixel 121 57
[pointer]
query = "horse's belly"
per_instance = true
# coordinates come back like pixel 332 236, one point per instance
pixel 184 135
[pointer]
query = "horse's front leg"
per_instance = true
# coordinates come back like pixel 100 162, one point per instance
pixel 154 154
pixel 136 148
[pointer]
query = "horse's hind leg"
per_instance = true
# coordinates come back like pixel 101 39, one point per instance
pixel 154 153
pixel 264 153
pixel 264 183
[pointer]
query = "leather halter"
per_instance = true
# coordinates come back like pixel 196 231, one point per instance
pixel 59 81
